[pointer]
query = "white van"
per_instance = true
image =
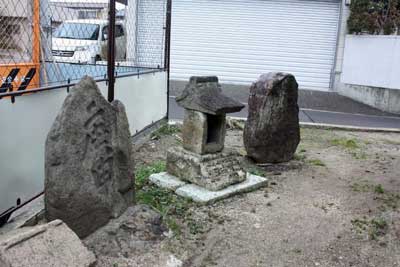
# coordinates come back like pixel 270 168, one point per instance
pixel 85 41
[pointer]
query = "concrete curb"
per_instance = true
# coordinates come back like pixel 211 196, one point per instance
pixel 323 126
pixel 347 128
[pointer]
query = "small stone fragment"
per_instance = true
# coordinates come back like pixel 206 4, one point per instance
pixel 52 244
pixel 133 232
pixel 272 131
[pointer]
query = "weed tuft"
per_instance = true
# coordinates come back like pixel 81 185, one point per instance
pixel 165 130
pixel 350 144
pixel 316 162
pixel 169 205
pixel 299 157
pixel 375 227
pixel 379 189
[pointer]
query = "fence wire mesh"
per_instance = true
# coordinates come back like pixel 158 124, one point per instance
pixel 54 42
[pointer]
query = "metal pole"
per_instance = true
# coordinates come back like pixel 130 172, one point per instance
pixel 167 64
pixel 111 52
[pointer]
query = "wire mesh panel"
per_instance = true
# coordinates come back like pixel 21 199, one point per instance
pixel 16 31
pixel 151 33
pixel 46 43
pixel 75 39
pixel 19 46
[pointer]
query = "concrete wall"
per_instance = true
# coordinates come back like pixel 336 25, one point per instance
pixel 25 124
pixel 370 71
pixel 381 98
pixel 372 61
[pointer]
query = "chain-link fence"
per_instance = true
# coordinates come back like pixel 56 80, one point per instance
pixel 45 43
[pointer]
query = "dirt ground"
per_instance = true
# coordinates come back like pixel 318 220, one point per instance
pixel 336 204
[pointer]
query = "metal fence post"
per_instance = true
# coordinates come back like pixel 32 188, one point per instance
pixel 167 52
pixel 111 51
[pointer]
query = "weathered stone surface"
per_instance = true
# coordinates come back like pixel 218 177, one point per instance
pixel 52 244
pixel 132 233
pixel 212 171
pixel 89 171
pixel 204 94
pixel 204 196
pixel 165 180
pixel 272 131
pixel 203 133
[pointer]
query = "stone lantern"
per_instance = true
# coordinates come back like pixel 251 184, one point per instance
pixel 202 160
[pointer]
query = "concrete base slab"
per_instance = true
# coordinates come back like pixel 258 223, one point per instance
pixel 166 180
pixel 202 195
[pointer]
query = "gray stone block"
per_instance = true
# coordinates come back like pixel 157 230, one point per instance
pixel 52 244
pixel 211 171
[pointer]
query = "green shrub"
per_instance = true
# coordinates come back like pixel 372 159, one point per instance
pixel 374 17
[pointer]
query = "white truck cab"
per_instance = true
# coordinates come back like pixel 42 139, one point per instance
pixel 85 41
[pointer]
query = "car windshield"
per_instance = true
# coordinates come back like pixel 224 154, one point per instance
pixel 80 31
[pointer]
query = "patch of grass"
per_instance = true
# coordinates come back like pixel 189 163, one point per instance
pixel 316 162
pixel 165 130
pixel 195 227
pixel 142 173
pixel 378 227
pixel 379 189
pixel 358 155
pixel 360 225
pixel 389 200
pixel 299 157
pixel 361 187
pixel 169 205
pixel 350 144
pixel 375 227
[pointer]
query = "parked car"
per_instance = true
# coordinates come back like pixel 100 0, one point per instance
pixel 85 41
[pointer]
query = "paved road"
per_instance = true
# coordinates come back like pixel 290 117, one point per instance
pixel 317 116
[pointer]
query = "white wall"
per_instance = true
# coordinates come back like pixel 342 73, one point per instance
pixel 372 61
pixel 145 98
pixel 25 124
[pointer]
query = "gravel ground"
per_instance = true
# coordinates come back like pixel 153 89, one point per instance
pixel 336 204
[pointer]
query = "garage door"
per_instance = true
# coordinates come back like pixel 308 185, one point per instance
pixel 238 40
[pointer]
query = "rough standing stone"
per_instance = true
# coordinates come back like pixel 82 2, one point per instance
pixel 89 172
pixel 212 171
pixel 272 131
pixel 52 244
pixel 204 94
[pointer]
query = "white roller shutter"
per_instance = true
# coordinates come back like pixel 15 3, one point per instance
pixel 238 40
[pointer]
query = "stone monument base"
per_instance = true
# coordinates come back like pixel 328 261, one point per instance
pixel 201 194
pixel 213 172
